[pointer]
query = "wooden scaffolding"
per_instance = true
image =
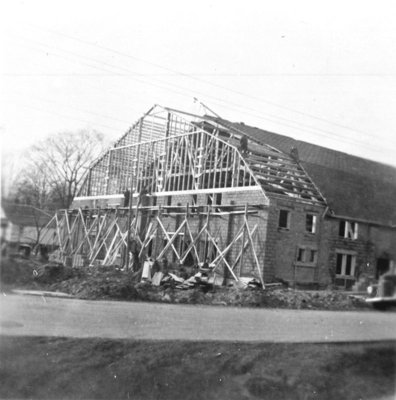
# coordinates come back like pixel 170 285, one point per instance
pixel 101 236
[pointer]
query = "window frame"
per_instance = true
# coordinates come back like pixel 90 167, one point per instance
pixel 343 255
pixel 304 256
pixel 314 223
pixel 348 230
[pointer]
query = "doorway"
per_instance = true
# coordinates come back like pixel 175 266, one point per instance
pixel 383 265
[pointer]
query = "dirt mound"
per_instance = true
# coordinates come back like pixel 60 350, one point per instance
pixel 109 282
pixel 54 272
pixel 17 271
pixel 269 298
pixel 99 283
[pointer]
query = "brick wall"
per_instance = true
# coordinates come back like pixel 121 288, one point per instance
pixel 276 248
pixel 281 248
pixel 282 244
pixel 223 227
pixel 373 242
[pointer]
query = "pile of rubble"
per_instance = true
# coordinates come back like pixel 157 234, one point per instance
pixel 203 276
pixel 109 282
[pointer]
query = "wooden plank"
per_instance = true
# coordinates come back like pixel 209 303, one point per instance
pixel 223 259
pixel 243 236
pixel 234 240
pixel 254 253
pixel 246 245
pixel 170 240
pixel 192 244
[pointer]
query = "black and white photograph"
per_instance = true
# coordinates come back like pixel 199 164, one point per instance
pixel 198 200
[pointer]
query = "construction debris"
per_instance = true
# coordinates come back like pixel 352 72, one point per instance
pixel 109 282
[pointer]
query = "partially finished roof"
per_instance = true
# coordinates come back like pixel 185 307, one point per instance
pixel 168 150
pixel 353 187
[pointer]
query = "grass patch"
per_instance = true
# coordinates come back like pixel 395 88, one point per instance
pixel 63 368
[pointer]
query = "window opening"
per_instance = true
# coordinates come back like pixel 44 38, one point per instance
pixel 345 264
pixel 301 255
pixel 310 223
pixel 348 230
pixel 307 255
pixel 284 219
pixel 313 256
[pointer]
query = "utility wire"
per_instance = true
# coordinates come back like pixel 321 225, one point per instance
pixel 204 94
pixel 271 118
pixel 198 79
pixel 66 116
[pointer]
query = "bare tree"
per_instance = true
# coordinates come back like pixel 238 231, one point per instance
pixel 32 187
pixel 10 168
pixel 62 160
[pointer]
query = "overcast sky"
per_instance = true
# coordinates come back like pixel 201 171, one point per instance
pixel 319 71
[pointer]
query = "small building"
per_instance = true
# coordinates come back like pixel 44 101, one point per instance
pixel 24 227
pixel 251 203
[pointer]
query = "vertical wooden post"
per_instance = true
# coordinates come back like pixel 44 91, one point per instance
pixel 157 234
pixel 229 237
pixel 207 232
pixel 131 198
pixel 76 235
pixel 89 182
pixel 243 238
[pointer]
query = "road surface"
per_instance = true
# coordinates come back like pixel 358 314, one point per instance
pixel 32 315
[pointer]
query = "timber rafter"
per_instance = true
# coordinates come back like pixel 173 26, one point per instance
pixel 165 152
pixel 194 160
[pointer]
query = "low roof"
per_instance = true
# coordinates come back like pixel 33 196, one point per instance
pixel 353 186
pixel 25 215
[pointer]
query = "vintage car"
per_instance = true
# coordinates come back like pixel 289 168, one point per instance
pixel 383 294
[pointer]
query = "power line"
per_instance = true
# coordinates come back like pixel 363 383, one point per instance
pixel 199 79
pixel 85 111
pixel 271 118
pixel 198 74
pixel 66 116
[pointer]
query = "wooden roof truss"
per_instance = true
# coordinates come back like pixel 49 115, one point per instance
pixel 183 158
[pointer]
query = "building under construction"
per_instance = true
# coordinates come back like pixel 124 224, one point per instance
pixel 192 189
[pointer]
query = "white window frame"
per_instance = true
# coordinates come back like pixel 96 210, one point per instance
pixel 344 255
pixel 350 230
pixel 314 223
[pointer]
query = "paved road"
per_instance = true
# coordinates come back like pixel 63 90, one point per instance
pixel 31 315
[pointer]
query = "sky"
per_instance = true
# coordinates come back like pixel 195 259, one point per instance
pixel 318 71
